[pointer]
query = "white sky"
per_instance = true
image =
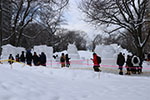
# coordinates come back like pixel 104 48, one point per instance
pixel 75 21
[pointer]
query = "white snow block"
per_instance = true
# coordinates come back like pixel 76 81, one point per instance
pixel 43 48
pixel 9 49
pixel 73 52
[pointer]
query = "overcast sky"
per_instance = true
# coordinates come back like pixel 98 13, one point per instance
pixel 75 21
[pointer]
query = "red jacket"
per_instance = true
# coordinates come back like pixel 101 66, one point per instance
pixel 95 60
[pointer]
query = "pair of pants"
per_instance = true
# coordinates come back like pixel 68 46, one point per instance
pixel 62 64
pixel 96 68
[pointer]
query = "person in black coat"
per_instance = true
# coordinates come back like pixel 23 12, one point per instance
pixel 67 61
pixel 29 57
pixel 35 59
pixel 120 62
pixel 140 66
pixel 22 57
pixel 129 64
pixel 43 59
pixel 148 57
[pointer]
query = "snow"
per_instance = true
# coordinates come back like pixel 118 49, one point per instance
pixel 9 49
pixel 73 52
pixel 41 83
pixel 43 48
pixel 110 51
pixel 79 82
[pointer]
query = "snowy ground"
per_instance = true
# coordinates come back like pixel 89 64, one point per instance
pixel 46 83
pixel 79 82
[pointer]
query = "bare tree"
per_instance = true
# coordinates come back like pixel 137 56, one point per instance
pixel 65 37
pixel 51 17
pixel 5 20
pixel 130 15
pixel 28 11
pixel 0 26
pixel 23 14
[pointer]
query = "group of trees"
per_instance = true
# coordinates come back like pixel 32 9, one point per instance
pixel 35 22
pixel 5 19
pixel 38 22
pixel 59 41
pixel 129 18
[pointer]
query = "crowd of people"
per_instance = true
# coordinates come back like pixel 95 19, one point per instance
pixel 38 60
pixel 29 58
pixel 133 63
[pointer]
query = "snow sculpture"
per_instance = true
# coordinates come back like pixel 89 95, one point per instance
pixel 43 48
pixel 105 51
pixel 73 52
pixel 9 49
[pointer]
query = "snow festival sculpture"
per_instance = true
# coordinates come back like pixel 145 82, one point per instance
pixel 73 52
pixel 9 49
pixel 105 51
pixel 43 48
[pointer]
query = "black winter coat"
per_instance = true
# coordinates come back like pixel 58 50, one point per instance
pixel 67 59
pixel 129 62
pixel 22 58
pixel 29 56
pixel 148 56
pixel 120 60
pixel 43 59
pixel 35 59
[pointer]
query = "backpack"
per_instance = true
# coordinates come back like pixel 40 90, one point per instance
pixel 62 59
pixel 135 60
pixel 98 59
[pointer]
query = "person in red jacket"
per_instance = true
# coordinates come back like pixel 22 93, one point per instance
pixel 96 66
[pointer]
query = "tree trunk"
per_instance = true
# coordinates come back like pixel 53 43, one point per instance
pixel 12 40
pixel 1 28
pixel 19 38
pixel 140 52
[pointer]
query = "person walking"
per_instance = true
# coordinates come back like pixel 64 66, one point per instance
pixel 120 62
pixel 96 62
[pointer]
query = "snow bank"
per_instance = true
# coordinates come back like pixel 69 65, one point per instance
pixel 41 83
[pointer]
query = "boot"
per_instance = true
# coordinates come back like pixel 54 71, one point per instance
pixel 121 73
